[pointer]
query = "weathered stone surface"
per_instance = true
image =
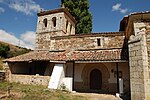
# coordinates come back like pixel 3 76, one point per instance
pixel 139 63
pixel 30 79
pixel 87 42
pixel 61 36
pixel 63 25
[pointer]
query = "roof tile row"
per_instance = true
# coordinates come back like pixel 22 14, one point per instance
pixel 91 55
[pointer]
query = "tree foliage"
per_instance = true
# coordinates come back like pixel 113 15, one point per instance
pixel 18 51
pixel 4 50
pixel 8 51
pixel 80 10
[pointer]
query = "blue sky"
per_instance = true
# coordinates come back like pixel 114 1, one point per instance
pixel 18 17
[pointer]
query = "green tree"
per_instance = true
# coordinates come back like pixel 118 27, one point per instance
pixel 4 50
pixel 80 10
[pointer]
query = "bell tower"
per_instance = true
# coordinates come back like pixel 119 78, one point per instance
pixel 53 23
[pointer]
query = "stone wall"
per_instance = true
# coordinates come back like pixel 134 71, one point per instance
pixel 43 41
pixel 86 42
pixel 7 71
pixel 62 35
pixel 61 19
pixel 139 66
pixel 2 75
pixel 30 79
pixel 148 69
pixel 64 27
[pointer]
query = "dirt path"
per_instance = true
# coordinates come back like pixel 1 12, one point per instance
pixel 94 96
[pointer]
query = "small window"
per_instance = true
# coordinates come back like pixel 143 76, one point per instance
pixel 45 22
pixel 66 24
pixel 99 42
pixel 70 28
pixel 54 21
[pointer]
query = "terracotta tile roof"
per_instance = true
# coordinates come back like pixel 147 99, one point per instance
pixel 91 55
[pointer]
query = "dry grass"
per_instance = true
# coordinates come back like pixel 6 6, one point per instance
pixel 30 92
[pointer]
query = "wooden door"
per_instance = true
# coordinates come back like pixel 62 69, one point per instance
pixel 95 79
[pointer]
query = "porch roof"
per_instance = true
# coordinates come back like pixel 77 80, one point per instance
pixel 79 55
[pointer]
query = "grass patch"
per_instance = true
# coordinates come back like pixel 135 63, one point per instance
pixel 30 92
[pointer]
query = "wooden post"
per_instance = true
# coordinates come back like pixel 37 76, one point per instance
pixel 117 77
pixel 73 77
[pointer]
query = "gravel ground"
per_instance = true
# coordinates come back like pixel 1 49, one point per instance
pixel 94 96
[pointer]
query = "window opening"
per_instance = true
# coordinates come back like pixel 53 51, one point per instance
pixel 45 22
pixel 54 21
pixel 66 24
pixel 99 42
pixel 70 28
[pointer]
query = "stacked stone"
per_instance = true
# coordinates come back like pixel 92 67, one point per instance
pixel 139 70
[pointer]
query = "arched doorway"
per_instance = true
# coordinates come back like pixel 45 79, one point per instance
pixel 95 79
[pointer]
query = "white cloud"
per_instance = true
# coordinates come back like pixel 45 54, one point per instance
pixel 9 38
pixel 123 10
pixel 2 10
pixel 28 37
pixel 117 7
pixel 28 7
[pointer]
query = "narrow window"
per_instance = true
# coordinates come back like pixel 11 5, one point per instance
pixel 99 42
pixel 54 21
pixel 70 28
pixel 66 24
pixel 45 22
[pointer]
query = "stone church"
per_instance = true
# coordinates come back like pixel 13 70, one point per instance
pixel 87 62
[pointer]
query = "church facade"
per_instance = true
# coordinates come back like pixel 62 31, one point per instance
pixel 103 62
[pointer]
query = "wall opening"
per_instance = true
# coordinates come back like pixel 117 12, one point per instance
pixel 95 79
pixel 54 21
pixel 88 68
pixel 98 42
pixel 70 28
pixel 42 68
pixel 66 25
pixel 45 22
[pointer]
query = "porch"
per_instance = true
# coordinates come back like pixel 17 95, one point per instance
pixel 83 76
pixel 81 70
